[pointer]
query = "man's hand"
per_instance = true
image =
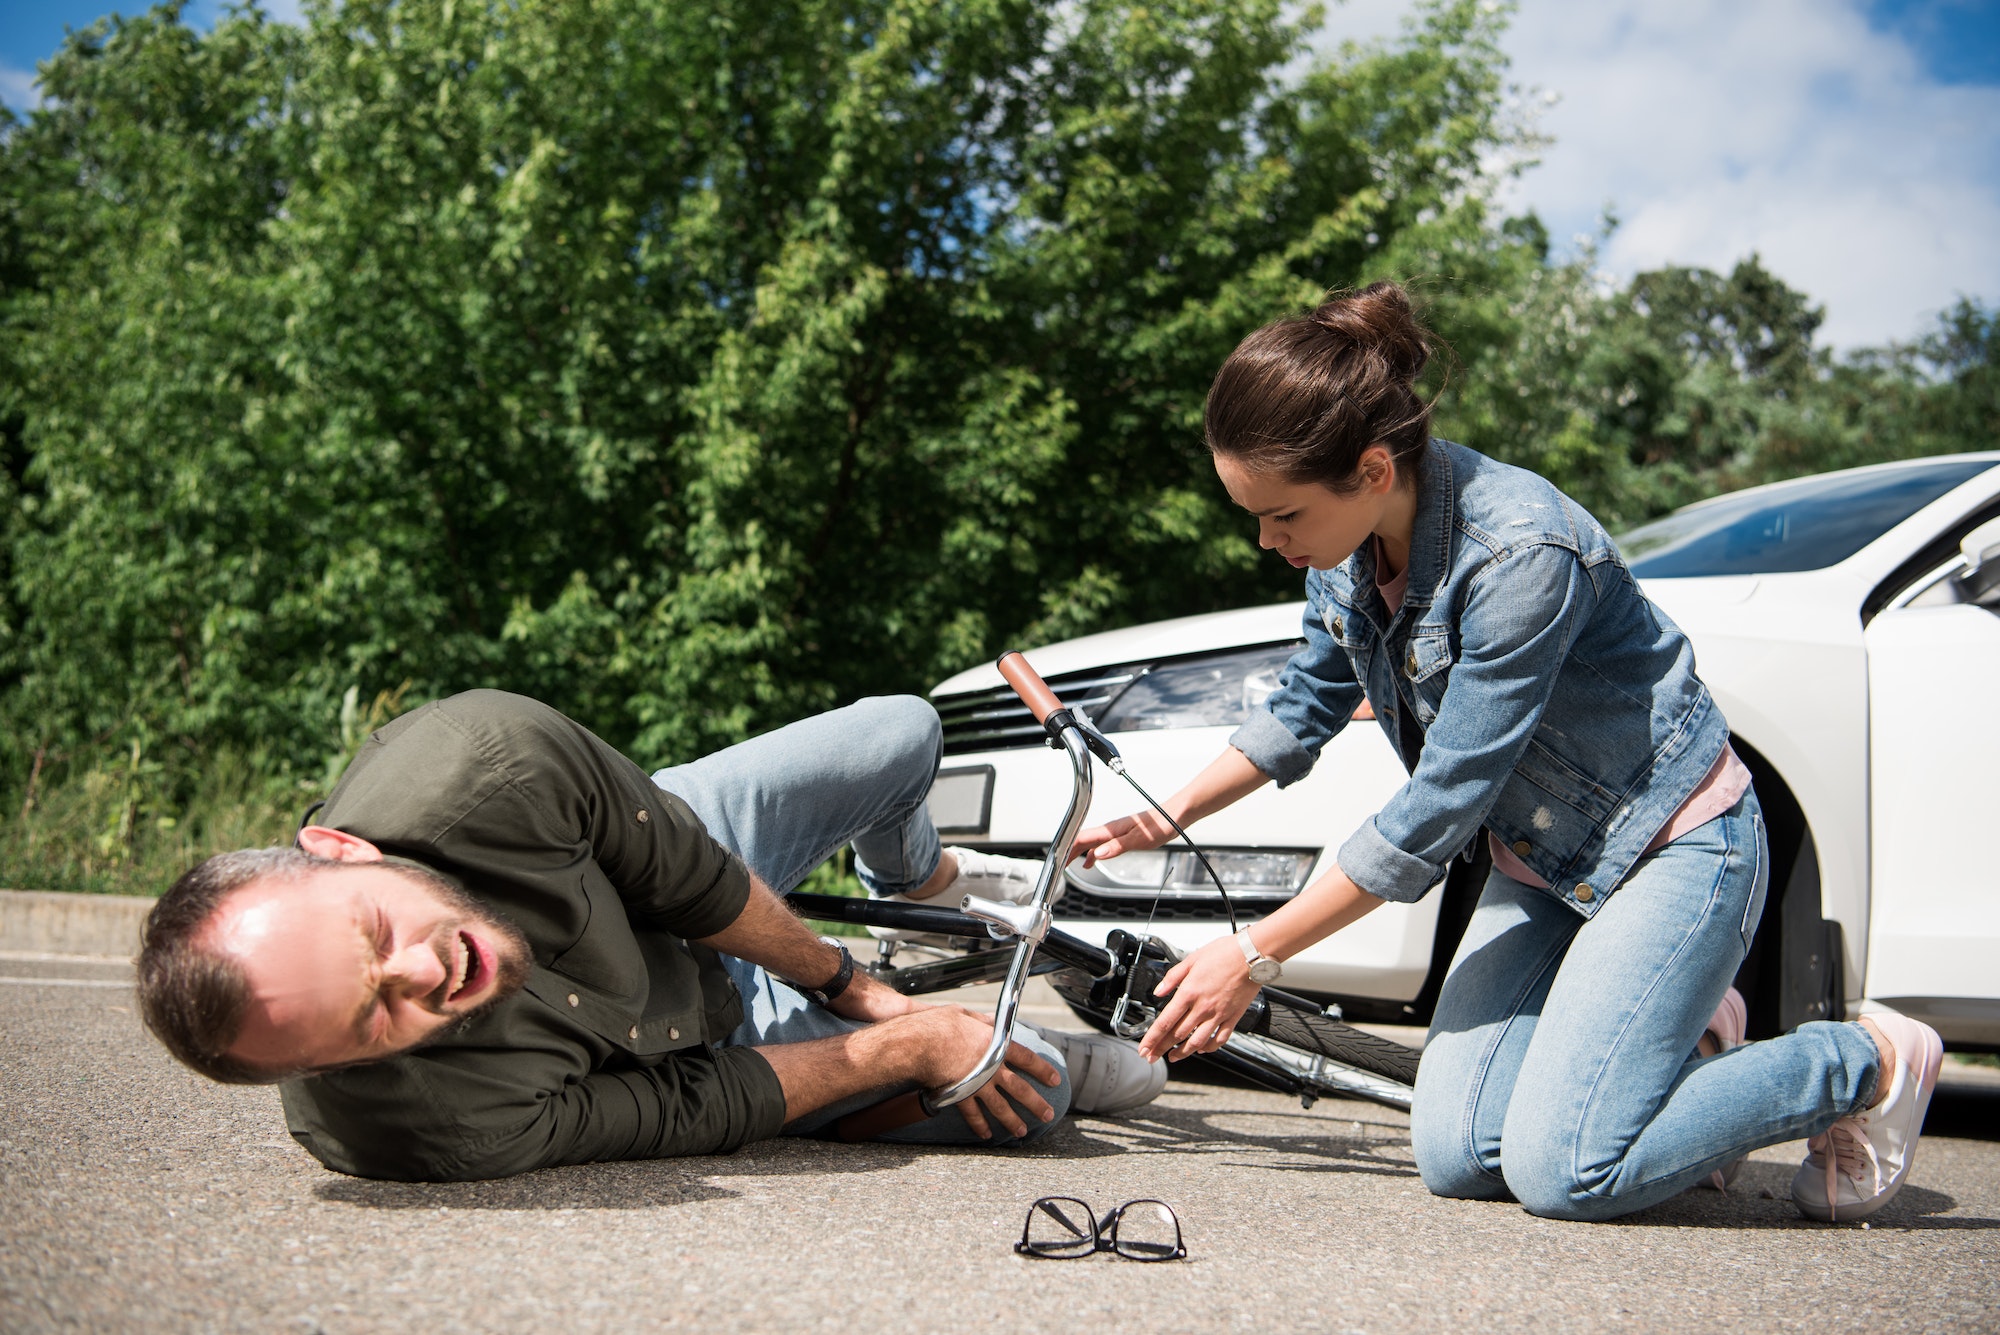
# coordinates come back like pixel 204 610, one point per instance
pixel 960 1040
pixel 869 999
pixel 932 1046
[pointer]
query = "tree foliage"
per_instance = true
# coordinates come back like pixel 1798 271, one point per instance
pixel 697 365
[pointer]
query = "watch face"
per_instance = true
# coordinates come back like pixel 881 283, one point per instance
pixel 1264 970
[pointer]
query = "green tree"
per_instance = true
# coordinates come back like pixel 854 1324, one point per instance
pixel 693 365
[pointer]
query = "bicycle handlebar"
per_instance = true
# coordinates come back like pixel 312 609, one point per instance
pixel 1028 684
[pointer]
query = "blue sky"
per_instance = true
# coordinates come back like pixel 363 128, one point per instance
pixel 1853 144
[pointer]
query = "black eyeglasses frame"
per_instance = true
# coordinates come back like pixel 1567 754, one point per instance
pixel 1103 1233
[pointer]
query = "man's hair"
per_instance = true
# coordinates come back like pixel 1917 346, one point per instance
pixel 192 996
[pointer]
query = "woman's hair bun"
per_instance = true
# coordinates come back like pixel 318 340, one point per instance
pixel 1378 317
pixel 1305 397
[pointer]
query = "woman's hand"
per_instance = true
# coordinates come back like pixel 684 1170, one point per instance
pixel 1127 834
pixel 1210 990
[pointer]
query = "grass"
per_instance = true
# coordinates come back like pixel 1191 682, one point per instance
pixel 109 829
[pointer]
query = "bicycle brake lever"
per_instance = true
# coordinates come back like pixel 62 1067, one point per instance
pixel 1100 745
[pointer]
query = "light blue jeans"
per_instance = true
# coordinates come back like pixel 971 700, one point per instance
pixel 1560 1065
pixel 785 802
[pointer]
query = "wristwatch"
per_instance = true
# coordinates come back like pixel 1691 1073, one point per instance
pixel 1263 969
pixel 824 994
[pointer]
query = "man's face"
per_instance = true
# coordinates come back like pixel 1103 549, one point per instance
pixel 359 962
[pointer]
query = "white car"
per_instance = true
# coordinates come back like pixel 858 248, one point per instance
pixel 1849 626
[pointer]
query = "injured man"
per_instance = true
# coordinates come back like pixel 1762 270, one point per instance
pixel 502 946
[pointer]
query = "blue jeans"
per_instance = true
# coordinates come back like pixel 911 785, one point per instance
pixel 1560 1064
pixel 785 802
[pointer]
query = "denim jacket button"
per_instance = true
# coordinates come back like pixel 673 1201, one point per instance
pixel 1338 628
pixel 1585 893
pixel 1410 663
pixel 1522 848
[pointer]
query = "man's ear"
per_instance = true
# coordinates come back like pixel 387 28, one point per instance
pixel 337 845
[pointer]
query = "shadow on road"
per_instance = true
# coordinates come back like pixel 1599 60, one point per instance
pixel 1337 1137
pixel 633 1185
pixel 1310 1142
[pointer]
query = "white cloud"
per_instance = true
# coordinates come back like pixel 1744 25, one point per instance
pixel 17 88
pixel 1789 128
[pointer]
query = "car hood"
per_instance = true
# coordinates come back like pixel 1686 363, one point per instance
pixel 1275 623
pixel 1271 624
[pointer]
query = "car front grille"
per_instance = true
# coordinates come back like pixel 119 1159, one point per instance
pixel 996 720
pixel 1080 905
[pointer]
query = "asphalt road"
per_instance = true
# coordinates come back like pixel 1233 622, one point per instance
pixel 134 1196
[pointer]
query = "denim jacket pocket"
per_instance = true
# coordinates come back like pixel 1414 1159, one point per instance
pixel 1566 783
pixel 1427 665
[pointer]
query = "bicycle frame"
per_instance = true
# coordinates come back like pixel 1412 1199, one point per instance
pixel 1106 981
pixel 1027 923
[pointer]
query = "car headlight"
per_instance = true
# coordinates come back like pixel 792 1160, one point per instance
pixel 1212 691
pixel 1255 872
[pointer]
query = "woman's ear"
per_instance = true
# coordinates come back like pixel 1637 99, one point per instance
pixel 337 845
pixel 1377 469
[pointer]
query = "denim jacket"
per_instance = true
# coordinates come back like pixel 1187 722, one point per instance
pixel 1557 706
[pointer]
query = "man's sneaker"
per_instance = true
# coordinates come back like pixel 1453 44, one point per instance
pixel 1106 1074
pixel 991 876
pixel 1725 1031
pixel 988 875
pixel 1857 1165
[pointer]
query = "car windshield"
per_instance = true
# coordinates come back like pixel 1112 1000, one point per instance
pixel 1804 525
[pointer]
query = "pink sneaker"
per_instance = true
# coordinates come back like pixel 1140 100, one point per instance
pixel 1857 1165
pixel 1725 1031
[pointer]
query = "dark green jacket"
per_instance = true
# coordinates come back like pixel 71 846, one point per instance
pixel 607 1053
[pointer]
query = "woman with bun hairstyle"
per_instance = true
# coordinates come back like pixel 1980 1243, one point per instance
pixel 1586 1056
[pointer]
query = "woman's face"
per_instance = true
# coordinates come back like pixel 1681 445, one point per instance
pixel 1304 522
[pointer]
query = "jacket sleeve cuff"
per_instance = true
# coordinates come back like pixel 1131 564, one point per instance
pixel 1384 870
pixel 1270 746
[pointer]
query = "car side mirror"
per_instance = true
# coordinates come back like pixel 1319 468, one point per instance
pixel 1981 552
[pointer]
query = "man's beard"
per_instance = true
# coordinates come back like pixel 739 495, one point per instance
pixel 512 957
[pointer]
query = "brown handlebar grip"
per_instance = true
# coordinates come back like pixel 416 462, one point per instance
pixel 1028 684
pixel 888 1115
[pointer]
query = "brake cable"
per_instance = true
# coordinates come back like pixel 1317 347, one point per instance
pixel 1116 763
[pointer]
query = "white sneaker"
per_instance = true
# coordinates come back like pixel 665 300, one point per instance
pixel 991 876
pixel 988 875
pixel 1106 1074
pixel 1857 1165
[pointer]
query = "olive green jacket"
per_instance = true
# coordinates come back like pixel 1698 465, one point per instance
pixel 609 1051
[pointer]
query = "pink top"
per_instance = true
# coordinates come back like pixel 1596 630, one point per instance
pixel 1720 789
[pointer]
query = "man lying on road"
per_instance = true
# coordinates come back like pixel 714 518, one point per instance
pixel 503 947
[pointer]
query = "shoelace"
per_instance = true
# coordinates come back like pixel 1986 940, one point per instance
pixel 1843 1149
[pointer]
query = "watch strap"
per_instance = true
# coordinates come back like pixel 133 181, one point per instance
pixel 825 994
pixel 1253 957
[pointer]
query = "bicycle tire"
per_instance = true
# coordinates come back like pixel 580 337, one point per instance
pixel 1328 1037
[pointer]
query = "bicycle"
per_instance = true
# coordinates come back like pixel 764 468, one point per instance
pixel 1284 1042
